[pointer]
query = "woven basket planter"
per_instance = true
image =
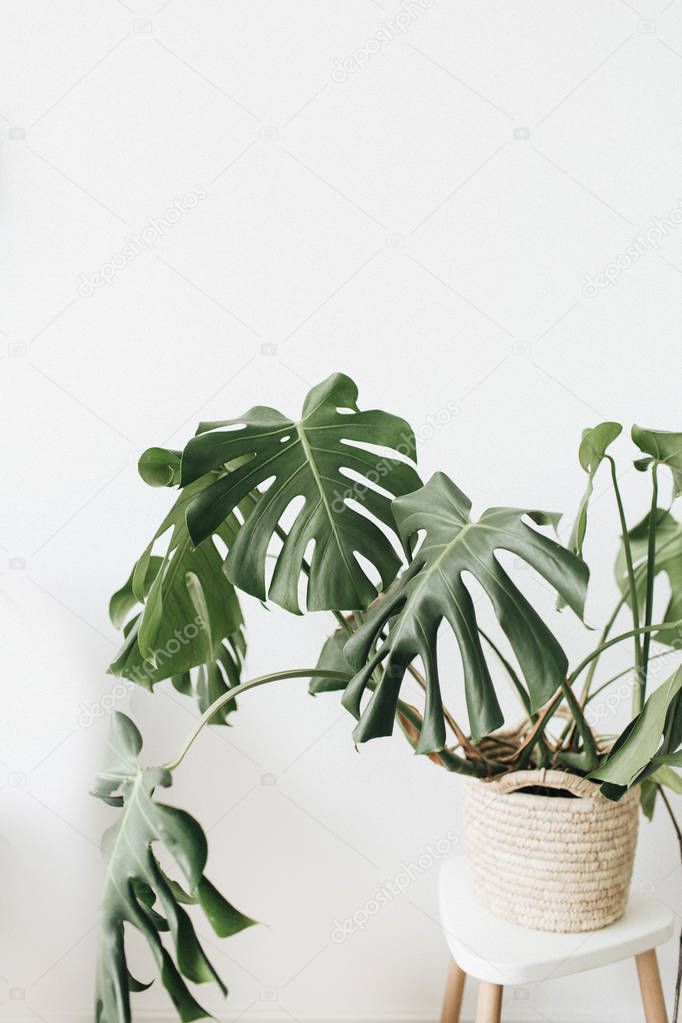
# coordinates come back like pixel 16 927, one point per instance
pixel 550 863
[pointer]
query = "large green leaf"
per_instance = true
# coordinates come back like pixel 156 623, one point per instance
pixel 663 447
pixel 668 561
pixel 310 459
pixel 638 746
pixel 591 453
pixel 168 637
pixel 432 589
pixel 138 893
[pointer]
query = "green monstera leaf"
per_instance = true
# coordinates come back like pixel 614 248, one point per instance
pixel 591 454
pixel 331 458
pixel 651 739
pixel 668 561
pixel 167 637
pixel 139 894
pixel 663 447
pixel 432 589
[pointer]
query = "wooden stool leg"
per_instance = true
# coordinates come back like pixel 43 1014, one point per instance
pixel 454 989
pixel 650 986
pixel 489 1003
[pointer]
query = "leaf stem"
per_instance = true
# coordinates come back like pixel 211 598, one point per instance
pixel 678 832
pixel 343 622
pixel 602 639
pixel 627 547
pixel 553 705
pixel 582 726
pixel 650 574
pixel 411 723
pixel 252 683
pixel 597 652
pixel 614 678
pixel 516 681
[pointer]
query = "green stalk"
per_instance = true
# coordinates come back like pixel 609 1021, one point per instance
pixel 643 629
pixel 544 754
pixel 516 681
pixel 650 573
pixel 584 730
pixel 678 832
pixel 447 757
pixel 252 683
pixel 343 622
pixel 602 639
pixel 614 678
pixel 639 572
pixel 597 652
pixel 627 547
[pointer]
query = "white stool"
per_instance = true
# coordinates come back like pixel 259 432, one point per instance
pixel 497 953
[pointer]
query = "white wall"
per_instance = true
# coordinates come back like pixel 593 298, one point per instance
pixel 391 225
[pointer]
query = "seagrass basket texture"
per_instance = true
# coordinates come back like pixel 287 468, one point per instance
pixel 550 862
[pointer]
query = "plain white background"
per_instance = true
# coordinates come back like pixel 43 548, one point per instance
pixel 421 213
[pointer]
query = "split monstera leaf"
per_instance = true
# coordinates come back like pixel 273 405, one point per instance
pixel 138 893
pixel 237 480
pixel 432 589
pixel 329 459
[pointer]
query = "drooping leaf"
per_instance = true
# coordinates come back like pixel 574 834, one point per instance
pixel 432 589
pixel 313 458
pixel 138 893
pixel 638 745
pixel 166 639
pixel 647 798
pixel 168 605
pixel 668 561
pixel 591 452
pixel 665 448
pixel 124 600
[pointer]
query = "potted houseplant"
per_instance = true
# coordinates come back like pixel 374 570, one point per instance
pixel 363 502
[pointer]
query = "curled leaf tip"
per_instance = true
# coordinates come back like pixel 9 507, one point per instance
pixel 160 467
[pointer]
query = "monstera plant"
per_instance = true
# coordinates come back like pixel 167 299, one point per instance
pixel 328 513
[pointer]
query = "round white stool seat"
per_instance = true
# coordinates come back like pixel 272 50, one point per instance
pixel 497 953
pixel 502 953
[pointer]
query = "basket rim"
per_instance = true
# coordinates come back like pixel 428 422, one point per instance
pixel 532 777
